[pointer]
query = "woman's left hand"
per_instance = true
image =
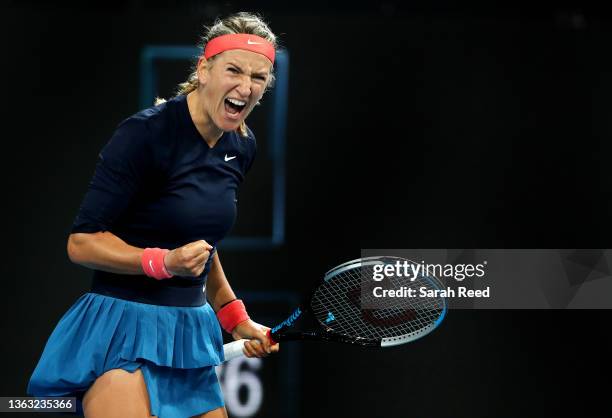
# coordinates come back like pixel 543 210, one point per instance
pixel 259 344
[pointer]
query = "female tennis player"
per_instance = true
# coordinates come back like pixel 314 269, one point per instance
pixel 144 341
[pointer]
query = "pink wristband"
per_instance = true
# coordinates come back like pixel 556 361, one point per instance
pixel 231 315
pixel 152 261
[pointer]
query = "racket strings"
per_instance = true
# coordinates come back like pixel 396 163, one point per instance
pixel 346 304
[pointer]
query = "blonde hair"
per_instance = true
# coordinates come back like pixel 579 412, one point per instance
pixel 242 22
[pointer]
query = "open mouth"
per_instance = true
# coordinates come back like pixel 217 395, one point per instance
pixel 234 106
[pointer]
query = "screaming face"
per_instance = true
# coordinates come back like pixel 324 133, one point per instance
pixel 234 81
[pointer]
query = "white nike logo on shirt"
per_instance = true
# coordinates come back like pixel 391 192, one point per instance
pixel 229 158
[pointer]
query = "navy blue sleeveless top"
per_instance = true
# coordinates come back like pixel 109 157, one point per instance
pixel 157 183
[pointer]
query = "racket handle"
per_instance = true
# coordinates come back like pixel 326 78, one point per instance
pixel 233 350
pixel 269 334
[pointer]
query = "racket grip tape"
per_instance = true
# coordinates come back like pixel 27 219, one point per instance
pixel 234 349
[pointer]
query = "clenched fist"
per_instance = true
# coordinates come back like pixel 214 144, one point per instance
pixel 188 260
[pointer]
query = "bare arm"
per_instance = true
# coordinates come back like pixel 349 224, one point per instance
pixel 104 251
pixel 107 252
pixel 219 291
pixel 218 288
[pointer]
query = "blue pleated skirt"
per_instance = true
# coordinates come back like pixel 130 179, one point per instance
pixel 177 349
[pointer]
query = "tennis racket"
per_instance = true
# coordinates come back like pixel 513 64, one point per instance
pixel 343 307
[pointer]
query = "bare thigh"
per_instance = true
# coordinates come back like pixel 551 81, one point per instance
pixel 215 413
pixel 118 394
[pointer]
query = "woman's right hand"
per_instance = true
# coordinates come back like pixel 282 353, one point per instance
pixel 188 260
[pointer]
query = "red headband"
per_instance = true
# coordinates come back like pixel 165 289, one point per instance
pixel 239 41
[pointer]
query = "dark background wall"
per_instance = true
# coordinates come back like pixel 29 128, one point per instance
pixel 434 126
